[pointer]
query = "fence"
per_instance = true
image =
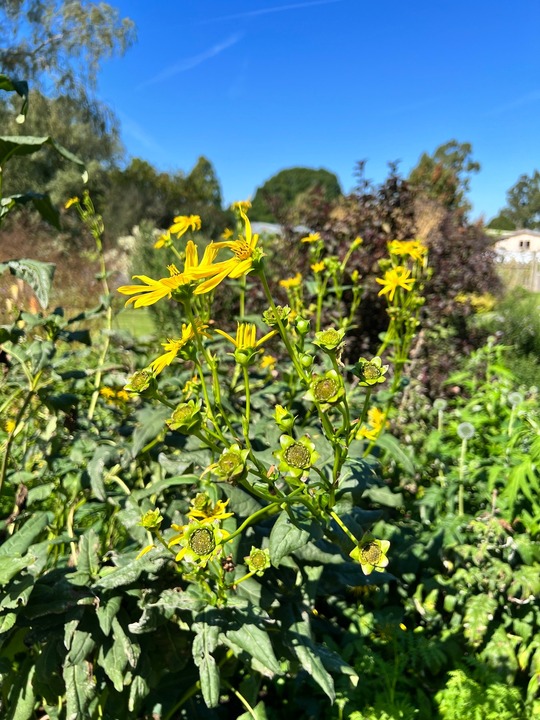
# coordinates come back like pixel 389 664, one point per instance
pixel 520 269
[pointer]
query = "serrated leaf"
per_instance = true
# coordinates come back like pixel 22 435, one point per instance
pixel 479 612
pixel 39 275
pixel 179 600
pixel 138 690
pixel 204 644
pixel 17 145
pixel 88 559
pixel 127 574
pixel 79 645
pixel 288 535
pixel 244 504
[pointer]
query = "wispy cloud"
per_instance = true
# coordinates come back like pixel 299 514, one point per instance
pixel 519 102
pixel 267 11
pixel 138 133
pixel 192 62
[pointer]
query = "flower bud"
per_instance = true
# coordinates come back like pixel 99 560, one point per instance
pixel 284 419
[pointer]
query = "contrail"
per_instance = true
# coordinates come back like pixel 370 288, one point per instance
pixel 267 11
pixel 192 62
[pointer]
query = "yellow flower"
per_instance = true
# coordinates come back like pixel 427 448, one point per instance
pixel 70 202
pixel 268 361
pixel 356 242
pixel 183 223
pixel 318 267
pixel 376 422
pixel 227 233
pixel 414 248
pixel 245 343
pixel 242 206
pixel 311 238
pixel 173 347
pixel 107 392
pixel 291 282
pixel 394 278
pixel 10 426
pixel 164 240
pixel 204 512
pixel 164 287
pixel 244 253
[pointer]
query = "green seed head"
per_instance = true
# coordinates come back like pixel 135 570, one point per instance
pixel 325 388
pixel 202 541
pixel 298 456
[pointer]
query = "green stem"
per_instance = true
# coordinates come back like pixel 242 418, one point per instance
pixel 342 525
pixel 461 476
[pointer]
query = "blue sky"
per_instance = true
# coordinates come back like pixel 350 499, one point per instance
pixel 260 85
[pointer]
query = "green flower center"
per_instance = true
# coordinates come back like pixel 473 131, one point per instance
pixel 330 337
pixel 371 372
pixel 298 456
pixel 201 501
pixel 229 462
pixel 202 541
pixel 370 554
pixel 258 560
pixel 325 388
pixel 140 380
pixel 182 413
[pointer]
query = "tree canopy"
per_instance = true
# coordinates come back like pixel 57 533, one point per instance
pixel 60 44
pixel 283 190
pixel 445 176
pixel 523 202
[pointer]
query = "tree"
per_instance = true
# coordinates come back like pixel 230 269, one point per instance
pixel 445 176
pixel 281 191
pixel 501 222
pixel 523 202
pixel 60 44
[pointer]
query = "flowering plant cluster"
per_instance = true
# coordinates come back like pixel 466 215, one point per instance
pixel 271 478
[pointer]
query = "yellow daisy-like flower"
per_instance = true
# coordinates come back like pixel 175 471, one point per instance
pixel 164 240
pixel 246 335
pixel 376 422
pixel 311 238
pixel 371 554
pixel 70 202
pixel 173 347
pixel 200 542
pixel 268 361
pixel 183 223
pixel 204 512
pixel 242 205
pixel 396 277
pixel 318 267
pixel 227 233
pixel 155 290
pixel 413 248
pixel 244 250
pixel 293 282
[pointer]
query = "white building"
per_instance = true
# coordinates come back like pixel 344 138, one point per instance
pixel 518 252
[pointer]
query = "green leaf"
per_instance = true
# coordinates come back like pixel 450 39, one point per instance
pixel 393 448
pixel 479 612
pixel 18 145
pixel 23 537
pixel 289 535
pixel 106 612
pixel 255 641
pixel 7 621
pixel 41 202
pixel 21 88
pixel 17 594
pixel 96 470
pixel 384 496
pixel 138 690
pixel 10 565
pixel 150 422
pixel 79 644
pixel 204 644
pixel 22 698
pixel 298 637
pixel 128 573
pixel 38 275
pixel 258 713
pixel 88 561
pixel 79 690
pixel 158 487
pixel 244 504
